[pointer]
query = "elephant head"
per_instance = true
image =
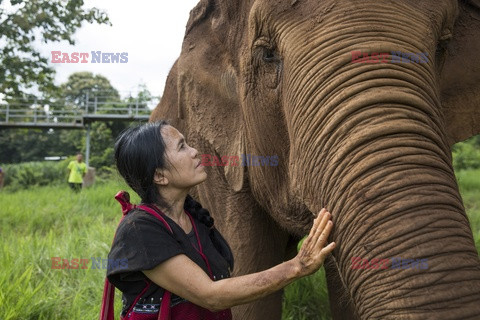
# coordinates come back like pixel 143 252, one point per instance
pixel 367 137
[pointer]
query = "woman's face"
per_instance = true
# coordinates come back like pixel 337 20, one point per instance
pixel 184 169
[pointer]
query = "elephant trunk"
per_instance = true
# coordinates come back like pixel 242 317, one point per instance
pixel 382 166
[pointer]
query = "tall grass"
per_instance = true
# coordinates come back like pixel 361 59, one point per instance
pixel 307 299
pixel 469 184
pixel 45 222
pixel 51 221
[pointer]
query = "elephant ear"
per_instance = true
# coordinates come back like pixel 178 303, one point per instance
pixel 212 115
pixel 460 78
pixel 235 174
pixel 167 108
pixel 205 89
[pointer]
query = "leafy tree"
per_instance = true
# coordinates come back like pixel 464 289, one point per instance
pixel 22 145
pixel 143 99
pixel 83 85
pixel 101 153
pixel 21 23
pixel 466 154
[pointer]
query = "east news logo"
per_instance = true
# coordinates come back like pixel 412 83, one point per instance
pixel 97 263
pixel 82 57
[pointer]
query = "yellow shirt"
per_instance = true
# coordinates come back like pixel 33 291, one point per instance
pixel 77 171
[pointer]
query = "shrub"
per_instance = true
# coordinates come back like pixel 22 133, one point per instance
pixel 466 155
pixel 31 174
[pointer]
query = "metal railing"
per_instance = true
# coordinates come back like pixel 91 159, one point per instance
pixel 39 113
pixel 36 116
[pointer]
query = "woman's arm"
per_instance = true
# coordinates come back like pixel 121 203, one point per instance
pixel 186 279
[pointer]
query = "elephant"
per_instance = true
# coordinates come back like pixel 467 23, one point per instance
pixel 361 101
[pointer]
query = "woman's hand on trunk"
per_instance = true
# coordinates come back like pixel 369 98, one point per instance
pixel 313 251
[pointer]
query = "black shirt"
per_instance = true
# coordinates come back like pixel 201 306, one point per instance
pixel 143 242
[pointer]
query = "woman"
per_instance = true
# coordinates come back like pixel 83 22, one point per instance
pixel 172 251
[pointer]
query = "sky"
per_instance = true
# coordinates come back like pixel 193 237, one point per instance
pixel 150 31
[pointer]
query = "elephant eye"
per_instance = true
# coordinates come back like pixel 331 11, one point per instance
pixel 266 50
pixel 269 55
pixel 266 63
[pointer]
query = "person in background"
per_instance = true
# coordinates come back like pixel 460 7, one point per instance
pixel 77 169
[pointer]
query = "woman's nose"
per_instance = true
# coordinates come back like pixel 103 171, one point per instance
pixel 195 152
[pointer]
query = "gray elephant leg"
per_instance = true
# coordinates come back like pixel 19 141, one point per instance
pixel 341 305
pixel 263 249
pixel 257 241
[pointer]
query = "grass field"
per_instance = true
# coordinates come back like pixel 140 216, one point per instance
pixel 45 222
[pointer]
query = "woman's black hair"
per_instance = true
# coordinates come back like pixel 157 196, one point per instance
pixel 139 151
pixel 195 209
pixel 202 215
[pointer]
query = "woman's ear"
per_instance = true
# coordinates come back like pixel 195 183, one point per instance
pixel 159 178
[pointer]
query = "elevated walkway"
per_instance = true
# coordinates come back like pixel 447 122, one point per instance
pixel 39 116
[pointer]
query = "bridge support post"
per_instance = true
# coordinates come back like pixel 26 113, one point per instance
pixel 87 143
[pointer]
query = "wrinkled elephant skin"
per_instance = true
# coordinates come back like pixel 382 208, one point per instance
pixel 361 102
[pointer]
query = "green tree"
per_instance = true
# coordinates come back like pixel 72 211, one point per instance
pixel 96 90
pixel 21 23
pixel 81 86
pixel 466 154
pixel 142 100
pixel 22 145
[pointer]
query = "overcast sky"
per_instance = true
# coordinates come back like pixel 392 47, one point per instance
pixel 150 31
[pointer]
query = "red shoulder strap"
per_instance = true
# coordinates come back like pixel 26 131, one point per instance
pixel 124 198
pixel 156 215
pixel 164 312
pixel 107 309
